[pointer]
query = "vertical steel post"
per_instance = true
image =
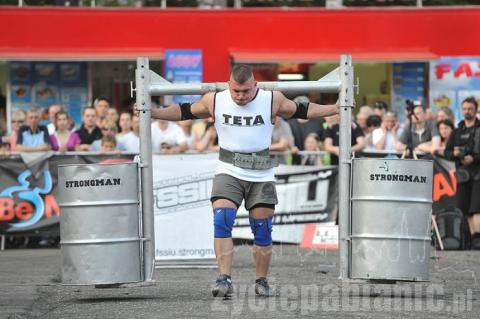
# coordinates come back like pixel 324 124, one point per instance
pixel 346 103
pixel 144 104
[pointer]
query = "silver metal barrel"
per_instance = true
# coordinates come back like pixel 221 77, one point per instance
pixel 99 224
pixel 391 219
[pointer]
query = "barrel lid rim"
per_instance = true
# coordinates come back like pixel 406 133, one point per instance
pixel 392 159
pixel 97 164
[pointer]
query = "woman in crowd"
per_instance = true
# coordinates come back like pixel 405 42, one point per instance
pixel 125 123
pixel 445 113
pixel 445 128
pixel 62 133
pixel 312 145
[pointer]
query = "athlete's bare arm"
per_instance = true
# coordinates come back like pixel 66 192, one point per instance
pixel 201 109
pixel 286 108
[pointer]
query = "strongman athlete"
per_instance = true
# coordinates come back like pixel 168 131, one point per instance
pixel 243 116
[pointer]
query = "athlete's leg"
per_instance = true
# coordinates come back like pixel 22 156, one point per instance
pixel 261 224
pixel 223 243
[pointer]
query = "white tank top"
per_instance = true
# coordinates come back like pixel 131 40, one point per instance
pixel 244 129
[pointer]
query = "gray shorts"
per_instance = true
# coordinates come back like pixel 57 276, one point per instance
pixel 237 190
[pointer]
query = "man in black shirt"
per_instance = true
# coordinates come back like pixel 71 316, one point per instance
pixel 332 138
pixel 463 147
pixel 88 132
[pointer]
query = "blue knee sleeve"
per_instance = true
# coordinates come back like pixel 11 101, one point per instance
pixel 223 220
pixel 262 231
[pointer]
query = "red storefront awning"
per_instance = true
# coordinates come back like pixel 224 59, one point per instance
pixel 255 56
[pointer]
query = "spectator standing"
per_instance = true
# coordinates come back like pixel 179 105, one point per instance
pixel 101 105
pixel 301 128
pixel 386 136
pixel 112 115
pixel 33 137
pixel 192 138
pixel 423 134
pixel 445 113
pixel 380 108
pixel 361 118
pixel 332 138
pixel 168 138
pixel 61 135
pixel 125 124
pixel 282 139
pixel 463 147
pixel 312 144
pixel 18 119
pixel 209 140
pixel 445 129
pixel 131 140
pixel 87 133
pixel 108 128
pixel 52 111
pixel 373 122
pixel 108 144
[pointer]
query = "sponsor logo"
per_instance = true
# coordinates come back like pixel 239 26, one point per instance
pixel 242 120
pixel 23 205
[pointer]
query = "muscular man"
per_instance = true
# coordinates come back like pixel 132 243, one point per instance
pixel 244 116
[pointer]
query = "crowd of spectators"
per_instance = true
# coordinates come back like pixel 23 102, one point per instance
pixel 295 141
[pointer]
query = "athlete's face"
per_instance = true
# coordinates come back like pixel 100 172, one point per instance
pixel 242 93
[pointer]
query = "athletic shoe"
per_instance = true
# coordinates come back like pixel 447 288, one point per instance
pixel 262 288
pixel 223 286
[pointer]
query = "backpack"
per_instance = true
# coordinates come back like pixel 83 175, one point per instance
pixel 453 229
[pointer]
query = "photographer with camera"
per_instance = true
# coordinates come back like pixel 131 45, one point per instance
pixel 421 135
pixel 463 147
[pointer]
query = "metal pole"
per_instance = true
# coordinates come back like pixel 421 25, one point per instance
pixel 346 103
pixel 166 88
pixel 144 104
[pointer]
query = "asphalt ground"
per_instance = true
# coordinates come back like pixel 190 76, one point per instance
pixel 306 281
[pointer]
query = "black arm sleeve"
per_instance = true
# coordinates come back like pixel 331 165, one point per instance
pixel 301 111
pixel 186 109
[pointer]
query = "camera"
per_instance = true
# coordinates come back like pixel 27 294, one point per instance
pixel 410 106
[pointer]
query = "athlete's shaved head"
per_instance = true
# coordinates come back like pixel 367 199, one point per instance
pixel 241 73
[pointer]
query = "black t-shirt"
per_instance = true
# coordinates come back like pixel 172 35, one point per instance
pixel 468 138
pixel 334 133
pixel 89 138
pixel 300 132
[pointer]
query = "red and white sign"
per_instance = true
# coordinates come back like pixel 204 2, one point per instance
pixel 323 236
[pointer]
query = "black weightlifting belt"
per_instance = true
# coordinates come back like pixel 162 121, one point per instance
pixel 258 160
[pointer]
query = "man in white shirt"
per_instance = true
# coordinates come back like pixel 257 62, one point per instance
pixel 168 138
pixel 386 136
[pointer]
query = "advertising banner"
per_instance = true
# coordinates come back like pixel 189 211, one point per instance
pixel 182 186
pixel 408 83
pixel 45 83
pixel 184 66
pixel 28 194
pixel 452 79
pixel 305 195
